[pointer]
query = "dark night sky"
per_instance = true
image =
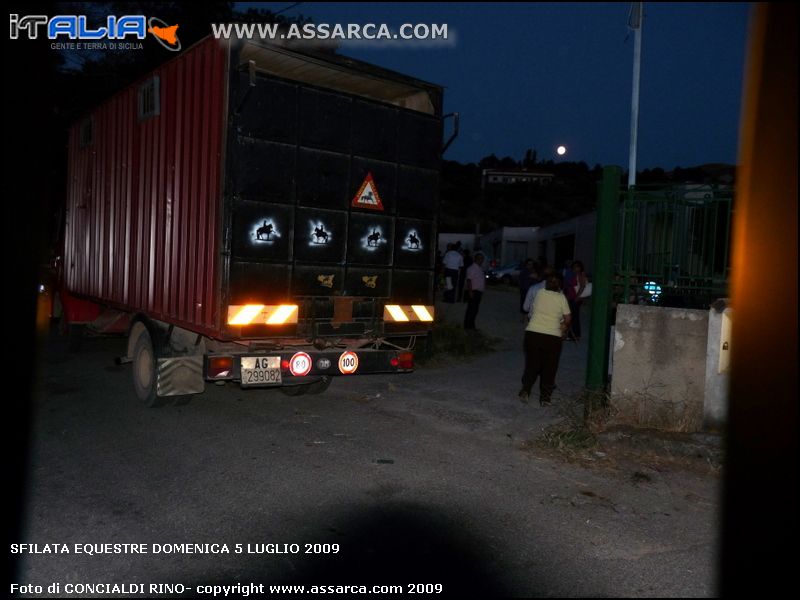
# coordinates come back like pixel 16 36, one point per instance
pixel 540 75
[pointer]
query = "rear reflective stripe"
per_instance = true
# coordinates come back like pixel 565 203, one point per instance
pixel 396 313
pixel 244 315
pixel 259 313
pixel 422 312
pixel 416 312
pixel 283 315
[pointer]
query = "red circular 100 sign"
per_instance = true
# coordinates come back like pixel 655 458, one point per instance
pixel 348 363
pixel 300 364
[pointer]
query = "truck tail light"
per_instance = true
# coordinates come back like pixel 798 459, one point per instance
pixel 405 360
pixel 219 367
pixel 259 314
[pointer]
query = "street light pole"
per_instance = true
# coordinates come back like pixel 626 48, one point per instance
pixel 635 22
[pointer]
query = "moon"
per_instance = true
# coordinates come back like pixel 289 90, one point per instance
pixel 561 150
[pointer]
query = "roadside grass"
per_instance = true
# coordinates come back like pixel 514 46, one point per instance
pixel 571 436
pixel 569 440
pixel 582 418
pixel 449 341
pixel 586 434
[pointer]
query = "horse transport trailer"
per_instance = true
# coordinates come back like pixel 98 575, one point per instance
pixel 257 214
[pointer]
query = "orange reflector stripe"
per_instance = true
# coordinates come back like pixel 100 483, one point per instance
pixel 261 314
pixel 396 312
pixel 245 314
pixel 283 314
pixel 422 312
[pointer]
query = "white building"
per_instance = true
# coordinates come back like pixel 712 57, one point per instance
pixel 498 177
pixel 509 244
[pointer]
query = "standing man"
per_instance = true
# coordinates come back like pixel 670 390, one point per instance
pixel 452 262
pixel 475 284
pixel 467 257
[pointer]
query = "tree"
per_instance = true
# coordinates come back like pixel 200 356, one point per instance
pixel 530 159
pixel 489 162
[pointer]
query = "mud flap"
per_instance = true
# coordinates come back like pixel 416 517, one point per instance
pixel 180 375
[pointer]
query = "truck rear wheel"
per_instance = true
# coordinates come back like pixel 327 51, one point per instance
pixel 144 370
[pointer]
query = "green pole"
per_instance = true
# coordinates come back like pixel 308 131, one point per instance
pixel 629 223
pixel 605 236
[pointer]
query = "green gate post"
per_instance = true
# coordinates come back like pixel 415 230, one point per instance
pixel 605 238
pixel 629 223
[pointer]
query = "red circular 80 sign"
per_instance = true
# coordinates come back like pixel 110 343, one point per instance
pixel 300 364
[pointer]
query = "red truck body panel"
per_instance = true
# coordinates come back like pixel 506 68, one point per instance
pixel 172 179
pixel 143 200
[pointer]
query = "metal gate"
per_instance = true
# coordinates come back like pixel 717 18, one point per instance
pixel 675 245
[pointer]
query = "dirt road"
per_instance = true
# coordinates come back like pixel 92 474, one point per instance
pixel 429 478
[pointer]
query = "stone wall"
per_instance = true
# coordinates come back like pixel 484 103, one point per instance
pixel 659 367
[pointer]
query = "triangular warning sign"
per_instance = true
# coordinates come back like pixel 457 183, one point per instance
pixel 368 196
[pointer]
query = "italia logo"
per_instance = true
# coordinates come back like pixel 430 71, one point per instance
pixel 77 28
pixel 165 34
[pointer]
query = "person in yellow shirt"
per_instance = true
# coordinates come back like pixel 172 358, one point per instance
pixel 543 337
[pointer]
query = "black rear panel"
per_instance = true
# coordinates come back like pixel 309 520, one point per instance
pixel 297 156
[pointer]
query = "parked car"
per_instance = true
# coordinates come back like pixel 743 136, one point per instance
pixel 507 274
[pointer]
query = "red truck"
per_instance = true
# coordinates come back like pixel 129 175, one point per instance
pixel 252 213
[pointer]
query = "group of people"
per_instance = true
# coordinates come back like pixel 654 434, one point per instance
pixel 551 302
pixel 451 269
pixel 464 278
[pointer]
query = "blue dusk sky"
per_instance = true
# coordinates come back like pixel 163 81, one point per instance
pixel 537 75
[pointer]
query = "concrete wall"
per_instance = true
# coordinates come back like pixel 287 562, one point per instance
pixel 715 406
pixel 659 363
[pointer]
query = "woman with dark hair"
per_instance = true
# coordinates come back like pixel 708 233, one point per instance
pixel 574 284
pixel 543 335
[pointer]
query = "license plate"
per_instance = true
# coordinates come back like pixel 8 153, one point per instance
pixel 261 370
